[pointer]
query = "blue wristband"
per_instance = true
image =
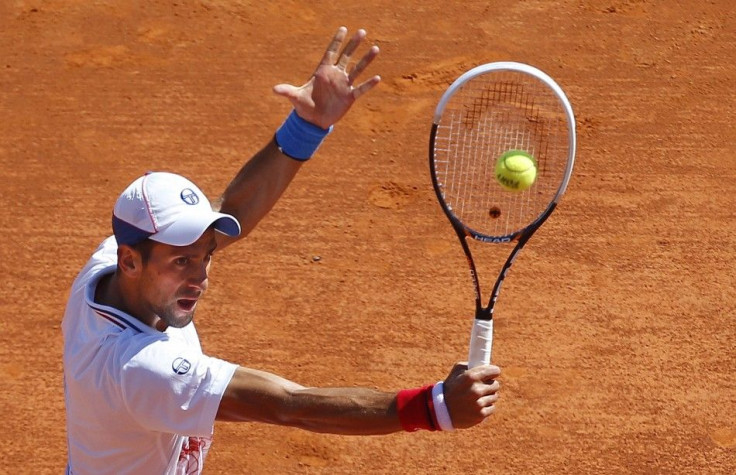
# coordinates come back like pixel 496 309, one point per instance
pixel 299 139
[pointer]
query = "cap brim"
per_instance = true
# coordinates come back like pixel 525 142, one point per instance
pixel 186 231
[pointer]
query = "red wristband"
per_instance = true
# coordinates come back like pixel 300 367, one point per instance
pixel 415 409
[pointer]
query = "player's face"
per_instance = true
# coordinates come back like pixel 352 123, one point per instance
pixel 175 278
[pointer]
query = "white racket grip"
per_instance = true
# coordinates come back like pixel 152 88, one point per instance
pixel 481 342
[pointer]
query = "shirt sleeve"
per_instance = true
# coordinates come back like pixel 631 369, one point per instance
pixel 171 388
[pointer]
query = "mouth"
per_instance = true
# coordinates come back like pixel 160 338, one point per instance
pixel 187 304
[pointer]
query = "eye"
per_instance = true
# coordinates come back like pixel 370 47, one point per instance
pixel 181 261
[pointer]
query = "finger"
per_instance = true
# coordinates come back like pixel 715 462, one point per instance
pixel 487 401
pixel 366 86
pixel 352 45
pixel 362 64
pixel 488 410
pixel 481 389
pixel 484 372
pixel 495 386
pixel 334 47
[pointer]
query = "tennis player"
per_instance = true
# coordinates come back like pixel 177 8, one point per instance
pixel 141 396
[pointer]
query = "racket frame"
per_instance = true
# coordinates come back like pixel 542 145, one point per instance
pixel 483 327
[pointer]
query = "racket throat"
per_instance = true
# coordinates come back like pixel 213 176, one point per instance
pixel 483 313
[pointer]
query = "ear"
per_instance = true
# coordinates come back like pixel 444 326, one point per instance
pixel 130 261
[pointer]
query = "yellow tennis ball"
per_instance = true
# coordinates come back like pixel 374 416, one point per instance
pixel 516 170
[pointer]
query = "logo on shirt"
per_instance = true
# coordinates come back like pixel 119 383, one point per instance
pixel 181 366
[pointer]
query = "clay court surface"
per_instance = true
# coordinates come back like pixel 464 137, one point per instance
pixel 615 329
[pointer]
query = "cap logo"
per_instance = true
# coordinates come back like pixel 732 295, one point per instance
pixel 189 197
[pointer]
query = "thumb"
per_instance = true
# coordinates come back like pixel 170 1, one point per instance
pixel 457 370
pixel 285 90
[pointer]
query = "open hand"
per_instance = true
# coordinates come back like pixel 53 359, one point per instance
pixel 331 91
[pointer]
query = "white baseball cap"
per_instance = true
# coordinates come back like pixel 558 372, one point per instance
pixel 166 208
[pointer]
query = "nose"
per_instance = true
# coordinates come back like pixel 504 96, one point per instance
pixel 199 276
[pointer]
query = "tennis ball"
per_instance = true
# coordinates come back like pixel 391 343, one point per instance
pixel 516 170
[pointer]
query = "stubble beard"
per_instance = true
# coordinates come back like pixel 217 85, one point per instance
pixel 172 316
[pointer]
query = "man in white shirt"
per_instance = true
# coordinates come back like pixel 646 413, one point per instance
pixel 141 397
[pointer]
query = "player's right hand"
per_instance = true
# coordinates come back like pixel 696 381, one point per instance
pixel 471 394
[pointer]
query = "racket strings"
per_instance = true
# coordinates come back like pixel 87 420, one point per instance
pixel 486 117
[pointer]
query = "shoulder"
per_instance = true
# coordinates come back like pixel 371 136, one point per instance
pixel 159 359
pixel 104 257
pixel 168 385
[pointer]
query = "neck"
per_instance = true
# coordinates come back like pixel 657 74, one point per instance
pixel 111 292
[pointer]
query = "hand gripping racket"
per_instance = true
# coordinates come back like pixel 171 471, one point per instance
pixel 489 110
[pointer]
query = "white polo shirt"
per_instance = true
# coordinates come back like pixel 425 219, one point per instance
pixel 138 400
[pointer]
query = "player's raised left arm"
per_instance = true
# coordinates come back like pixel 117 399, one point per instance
pixel 320 103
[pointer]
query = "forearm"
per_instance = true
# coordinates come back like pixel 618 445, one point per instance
pixel 257 186
pixel 258 396
pixel 347 411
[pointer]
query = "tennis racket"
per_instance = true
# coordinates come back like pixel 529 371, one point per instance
pixel 487 111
